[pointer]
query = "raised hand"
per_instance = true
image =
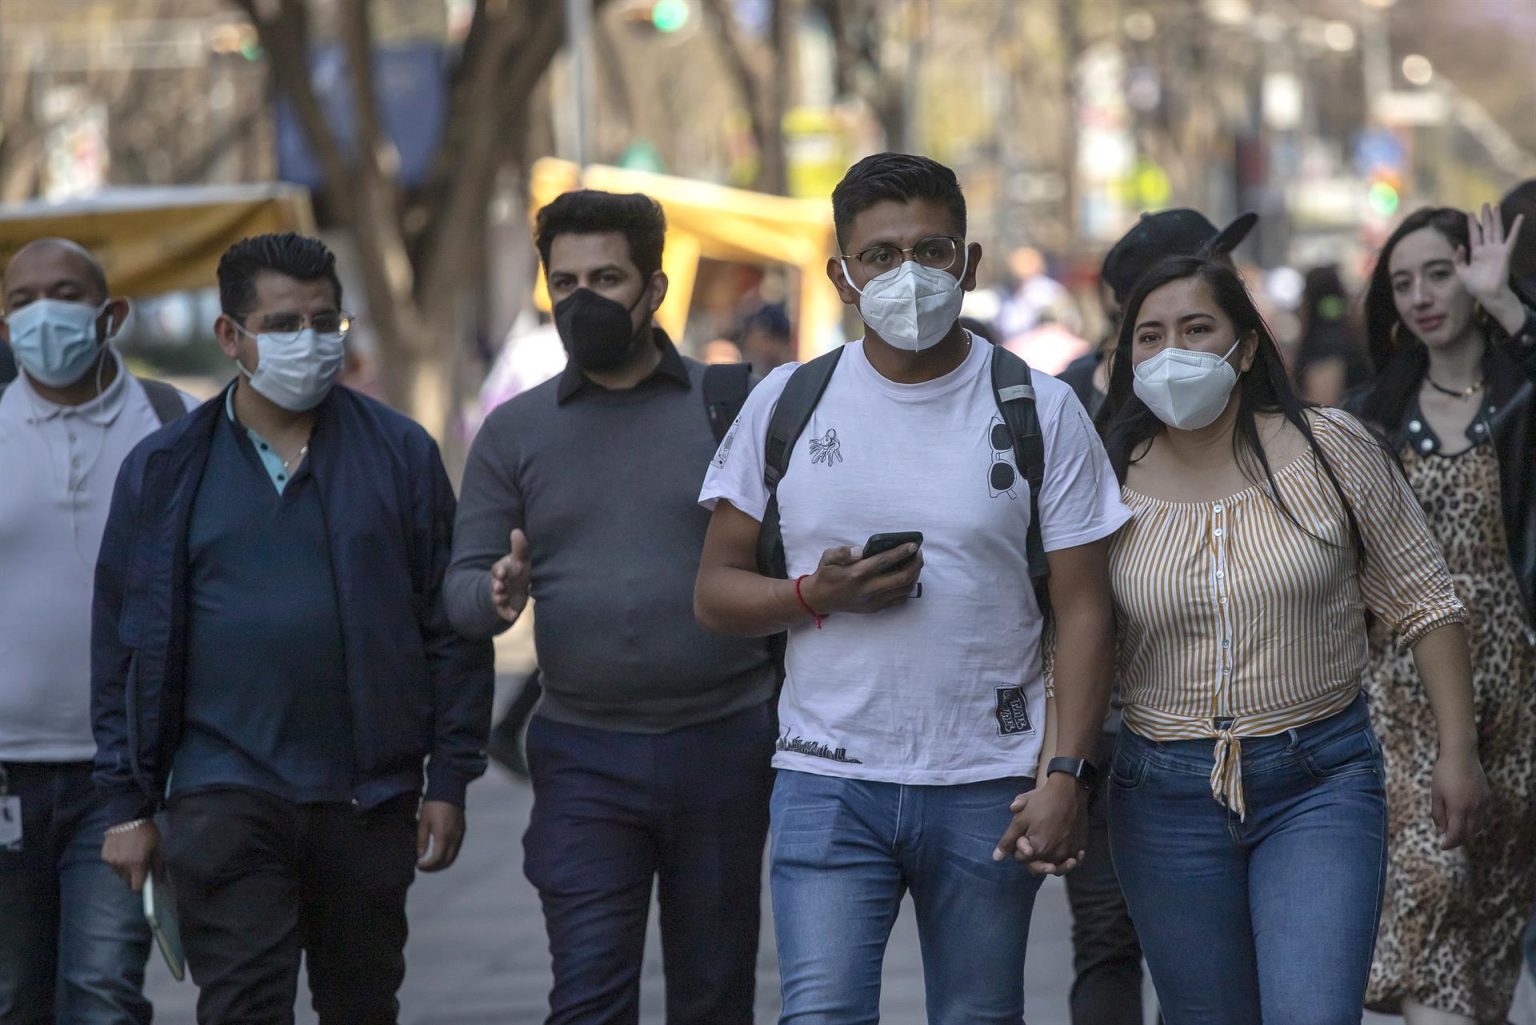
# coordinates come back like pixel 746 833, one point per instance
pixel 509 579
pixel 1484 272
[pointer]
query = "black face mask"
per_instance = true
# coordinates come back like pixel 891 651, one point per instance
pixel 596 331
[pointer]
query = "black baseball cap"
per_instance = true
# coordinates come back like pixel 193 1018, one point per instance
pixel 1166 233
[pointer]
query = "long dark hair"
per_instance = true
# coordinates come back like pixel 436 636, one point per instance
pixel 1128 426
pixel 1399 359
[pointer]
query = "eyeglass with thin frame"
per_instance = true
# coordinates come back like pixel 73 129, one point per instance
pixel 287 326
pixel 937 252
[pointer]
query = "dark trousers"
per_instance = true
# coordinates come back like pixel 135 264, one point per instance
pixel 614 813
pixel 1106 956
pixel 73 940
pixel 260 881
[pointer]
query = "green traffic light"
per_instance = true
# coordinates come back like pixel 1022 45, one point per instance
pixel 1383 199
pixel 669 15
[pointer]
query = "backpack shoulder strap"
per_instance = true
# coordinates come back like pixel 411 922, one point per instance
pixel 164 399
pixel 798 401
pixel 725 391
pixel 1015 395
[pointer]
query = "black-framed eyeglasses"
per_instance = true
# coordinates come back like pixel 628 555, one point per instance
pixel 937 252
pixel 286 326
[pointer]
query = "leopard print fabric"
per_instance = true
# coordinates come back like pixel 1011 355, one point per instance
pixel 1452 920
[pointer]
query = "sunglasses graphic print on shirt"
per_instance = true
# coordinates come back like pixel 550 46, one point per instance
pixel 1002 477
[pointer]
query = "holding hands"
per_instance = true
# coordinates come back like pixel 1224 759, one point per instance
pixel 1049 829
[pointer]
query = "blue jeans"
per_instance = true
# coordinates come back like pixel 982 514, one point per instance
pixel 1270 920
pixel 615 814
pixel 845 851
pixel 73 941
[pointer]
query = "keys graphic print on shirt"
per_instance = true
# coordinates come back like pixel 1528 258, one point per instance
pixel 827 449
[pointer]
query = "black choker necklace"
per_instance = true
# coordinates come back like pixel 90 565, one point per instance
pixel 1465 393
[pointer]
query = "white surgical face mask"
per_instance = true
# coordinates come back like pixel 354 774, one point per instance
pixel 912 307
pixel 295 371
pixel 1186 390
pixel 55 341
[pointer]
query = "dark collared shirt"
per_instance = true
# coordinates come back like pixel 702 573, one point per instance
pixel 671 368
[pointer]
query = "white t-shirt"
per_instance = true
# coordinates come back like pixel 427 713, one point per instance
pixel 945 689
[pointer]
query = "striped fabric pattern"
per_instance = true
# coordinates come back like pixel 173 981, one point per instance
pixel 1237 622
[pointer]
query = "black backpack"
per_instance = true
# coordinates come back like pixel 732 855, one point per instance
pixel 725 391
pixel 1015 396
pixel 164 399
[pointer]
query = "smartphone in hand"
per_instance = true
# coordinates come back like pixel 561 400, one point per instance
pixel 879 543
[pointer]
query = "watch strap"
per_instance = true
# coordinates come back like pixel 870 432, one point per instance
pixel 1080 769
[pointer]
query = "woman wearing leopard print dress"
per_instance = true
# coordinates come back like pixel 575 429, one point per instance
pixel 1455 353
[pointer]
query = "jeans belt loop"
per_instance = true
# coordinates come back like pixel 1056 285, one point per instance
pixel 5 781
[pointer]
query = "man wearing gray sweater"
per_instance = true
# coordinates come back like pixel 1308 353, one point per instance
pixel 650 753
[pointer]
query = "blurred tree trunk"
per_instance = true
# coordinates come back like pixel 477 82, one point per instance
pixel 862 63
pixel 418 253
pixel 761 74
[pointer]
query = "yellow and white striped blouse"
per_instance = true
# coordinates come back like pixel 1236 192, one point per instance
pixel 1227 610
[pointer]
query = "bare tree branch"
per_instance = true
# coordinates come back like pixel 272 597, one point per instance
pixel 374 148
pixel 284 36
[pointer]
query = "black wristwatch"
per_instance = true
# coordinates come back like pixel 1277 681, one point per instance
pixel 1080 769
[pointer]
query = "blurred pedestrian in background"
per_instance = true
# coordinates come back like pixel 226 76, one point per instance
pixel 1330 357
pixel 649 754
pixel 272 660
pixel 1036 297
pixel 73 940
pixel 1247 812
pixel 767 340
pixel 1454 345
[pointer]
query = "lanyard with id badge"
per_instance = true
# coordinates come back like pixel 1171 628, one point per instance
pixel 10 815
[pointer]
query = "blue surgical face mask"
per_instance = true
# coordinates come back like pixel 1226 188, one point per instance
pixel 56 341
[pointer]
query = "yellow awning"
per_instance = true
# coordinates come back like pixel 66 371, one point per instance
pixel 721 223
pixel 156 240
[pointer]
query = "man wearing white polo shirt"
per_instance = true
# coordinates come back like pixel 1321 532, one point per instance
pixel 73 942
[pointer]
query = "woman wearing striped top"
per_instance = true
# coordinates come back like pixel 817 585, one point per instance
pixel 1247 812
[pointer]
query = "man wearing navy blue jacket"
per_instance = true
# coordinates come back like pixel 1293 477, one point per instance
pixel 272 661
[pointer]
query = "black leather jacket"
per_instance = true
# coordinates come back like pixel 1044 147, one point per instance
pixel 1507 419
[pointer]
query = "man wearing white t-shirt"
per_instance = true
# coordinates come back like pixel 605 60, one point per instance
pixel 914 715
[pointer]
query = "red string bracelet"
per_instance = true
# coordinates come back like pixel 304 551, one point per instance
pixel 805 604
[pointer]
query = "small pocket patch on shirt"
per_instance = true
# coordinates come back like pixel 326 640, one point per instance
pixel 1012 712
